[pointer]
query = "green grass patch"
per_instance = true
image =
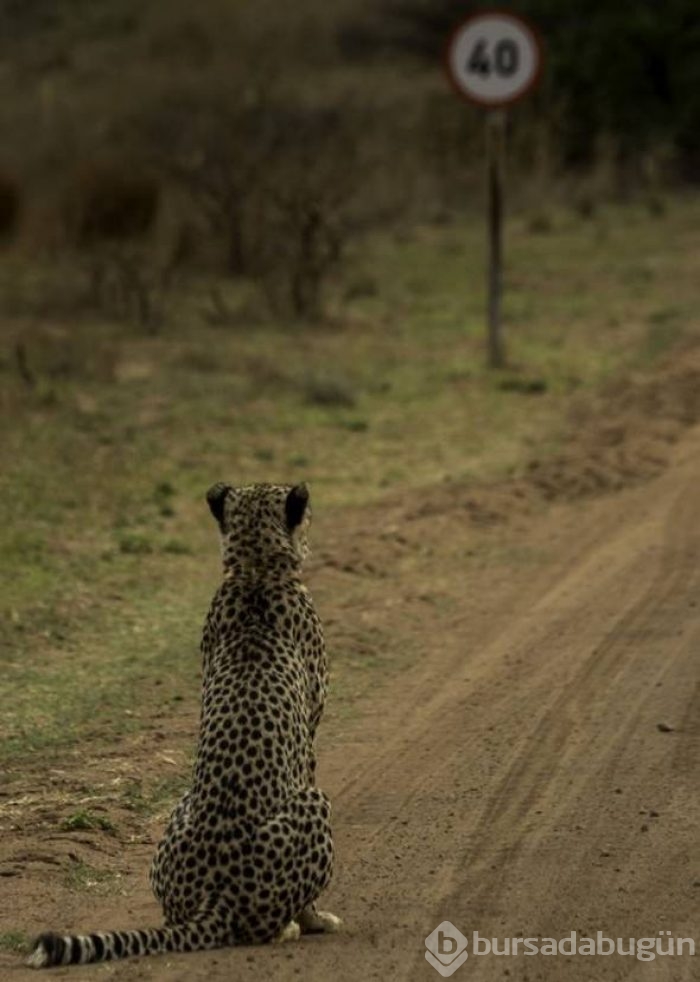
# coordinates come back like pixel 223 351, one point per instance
pixel 161 796
pixel 84 878
pixel 83 821
pixel 14 942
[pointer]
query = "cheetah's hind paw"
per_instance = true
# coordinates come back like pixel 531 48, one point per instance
pixel 292 932
pixel 319 922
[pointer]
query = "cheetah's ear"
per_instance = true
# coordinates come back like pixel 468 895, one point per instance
pixel 295 505
pixel 216 495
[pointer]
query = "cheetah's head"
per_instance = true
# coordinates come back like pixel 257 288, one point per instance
pixel 263 526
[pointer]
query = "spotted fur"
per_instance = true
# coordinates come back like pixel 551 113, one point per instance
pixel 248 849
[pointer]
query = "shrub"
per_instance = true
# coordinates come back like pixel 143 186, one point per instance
pixel 10 202
pixel 107 202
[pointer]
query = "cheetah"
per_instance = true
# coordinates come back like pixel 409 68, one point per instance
pixel 248 850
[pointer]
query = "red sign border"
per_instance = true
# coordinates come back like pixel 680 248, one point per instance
pixel 522 22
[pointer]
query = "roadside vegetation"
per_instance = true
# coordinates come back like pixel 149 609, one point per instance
pixel 109 554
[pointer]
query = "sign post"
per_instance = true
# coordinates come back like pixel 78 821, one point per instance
pixel 492 59
pixel 495 138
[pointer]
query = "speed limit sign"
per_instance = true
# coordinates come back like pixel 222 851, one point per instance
pixel 493 58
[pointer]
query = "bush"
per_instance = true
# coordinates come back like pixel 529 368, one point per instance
pixel 10 202
pixel 127 281
pixel 107 202
pixel 274 181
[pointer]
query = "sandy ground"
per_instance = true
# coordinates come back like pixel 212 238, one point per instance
pixel 532 771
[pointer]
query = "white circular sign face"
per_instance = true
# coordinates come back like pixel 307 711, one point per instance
pixel 493 58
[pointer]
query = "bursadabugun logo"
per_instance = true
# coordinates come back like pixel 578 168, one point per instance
pixel 446 948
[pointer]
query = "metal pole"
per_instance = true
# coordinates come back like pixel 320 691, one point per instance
pixel 495 136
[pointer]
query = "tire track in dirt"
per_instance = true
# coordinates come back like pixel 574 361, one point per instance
pixel 674 575
pixel 559 763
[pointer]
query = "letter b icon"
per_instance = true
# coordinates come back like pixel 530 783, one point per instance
pixel 446 944
pixel 446 949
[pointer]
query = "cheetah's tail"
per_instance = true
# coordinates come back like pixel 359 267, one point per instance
pixel 80 949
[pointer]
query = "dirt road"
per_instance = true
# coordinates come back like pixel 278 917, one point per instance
pixel 517 782
pixel 533 772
